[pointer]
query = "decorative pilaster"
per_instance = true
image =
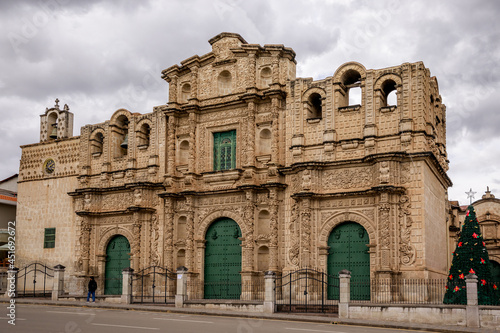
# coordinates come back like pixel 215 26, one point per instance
pixel 293 229
pixel 305 231
pixel 172 89
pixel 275 130
pixel 273 226
pixel 169 232
pixel 384 236
pixel 192 141
pixel 250 137
pixel 85 244
pixel 136 243
pixel 171 145
pixel 406 249
pixel 249 217
pixel 189 233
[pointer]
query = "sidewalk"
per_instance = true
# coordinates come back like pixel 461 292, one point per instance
pixel 315 318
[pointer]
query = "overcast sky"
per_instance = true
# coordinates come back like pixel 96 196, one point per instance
pixel 98 56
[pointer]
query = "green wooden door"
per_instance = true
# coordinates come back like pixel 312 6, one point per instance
pixel 117 258
pixel 348 250
pixel 223 260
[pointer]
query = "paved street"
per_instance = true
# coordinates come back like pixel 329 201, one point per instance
pixel 57 319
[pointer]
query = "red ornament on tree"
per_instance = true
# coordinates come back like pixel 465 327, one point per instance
pixel 459 244
pixel 450 277
pixel 474 235
pixel 483 282
pixel 472 271
pixel 482 261
pixel 456 289
pixel 461 276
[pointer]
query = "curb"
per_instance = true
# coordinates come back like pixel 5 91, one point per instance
pixel 255 315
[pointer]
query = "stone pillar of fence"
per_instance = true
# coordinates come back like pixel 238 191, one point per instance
pixel 126 286
pixel 181 294
pixel 472 301
pixel 269 292
pixel 12 282
pixel 58 282
pixel 345 293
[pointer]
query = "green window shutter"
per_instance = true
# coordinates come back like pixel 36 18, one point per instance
pixel 225 150
pixel 49 241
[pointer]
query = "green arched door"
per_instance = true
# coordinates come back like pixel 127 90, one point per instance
pixel 348 250
pixel 223 260
pixel 117 258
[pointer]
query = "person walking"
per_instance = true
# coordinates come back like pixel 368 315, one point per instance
pixel 92 289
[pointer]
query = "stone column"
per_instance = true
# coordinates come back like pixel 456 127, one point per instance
pixel 126 285
pixel 58 280
pixel 345 293
pixel 12 282
pixel 274 226
pixel 181 295
pixel 269 292
pixel 169 233
pixel 472 301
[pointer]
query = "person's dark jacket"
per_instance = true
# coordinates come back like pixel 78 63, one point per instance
pixel 92 285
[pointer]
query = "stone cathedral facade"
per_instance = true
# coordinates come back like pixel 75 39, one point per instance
pixel 344 172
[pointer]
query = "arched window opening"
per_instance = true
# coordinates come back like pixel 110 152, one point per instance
pixel 265 77
pixel 263 223
pixel 143 136
pixel 183 152
pixel 264 142
pixel 52 126
pixel 181 228
pixel 224 83
pixel 389 93
pixel 181 258
pixel 263 259
pixel 97 143
pixel 185 93
pixel 352 83
pixel 120 136
pixel 314 106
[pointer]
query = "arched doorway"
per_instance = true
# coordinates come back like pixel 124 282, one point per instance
pixel 348 250
pixel 117 258
pixel 223 260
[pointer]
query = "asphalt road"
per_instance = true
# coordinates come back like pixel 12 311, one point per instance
pixel 57 319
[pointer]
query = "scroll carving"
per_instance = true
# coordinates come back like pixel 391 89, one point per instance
pixel 407 250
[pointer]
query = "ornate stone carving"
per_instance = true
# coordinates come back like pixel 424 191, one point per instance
pixel 293 252
pixel 348 178
pixel 384 226
pixel 406 249
pixel 384 173
pixel 306 180
pixel 155 237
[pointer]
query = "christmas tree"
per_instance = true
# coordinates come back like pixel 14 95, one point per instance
pixel 471 256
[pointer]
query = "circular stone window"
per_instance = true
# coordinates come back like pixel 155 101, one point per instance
pixel 49 166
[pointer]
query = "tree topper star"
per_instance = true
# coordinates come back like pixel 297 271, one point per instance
pixel 470 195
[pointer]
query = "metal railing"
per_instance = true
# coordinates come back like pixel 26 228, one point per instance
pixel 249 290
pixel 35 280
pixel 154 284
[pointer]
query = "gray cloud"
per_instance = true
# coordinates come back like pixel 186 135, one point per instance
pixel 98 56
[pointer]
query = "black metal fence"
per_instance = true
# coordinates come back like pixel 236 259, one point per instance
pixel 154 284
pixel 248 290
pixel 307 290
pixel 35 280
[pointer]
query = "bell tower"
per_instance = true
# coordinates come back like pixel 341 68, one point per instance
pixel 56 124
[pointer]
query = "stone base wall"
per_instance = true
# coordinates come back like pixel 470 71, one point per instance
pixel 432 314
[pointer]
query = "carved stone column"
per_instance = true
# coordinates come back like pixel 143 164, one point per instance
pixel 249 217
pixel 273 225
pixel 171 145
pixel 192 141
pixel 194 82
pixel 172 89
pixel 305 231
pixel 250 137
pixel 85 244
pixel 406 248
pixel 384 236
pixel 136 243
pixel 276 68
pixel 293 229
pixel 189 233
pixel 253 68
pixel 169 231
pixel 275 130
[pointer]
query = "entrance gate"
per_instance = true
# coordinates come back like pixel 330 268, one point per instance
pixel 223 260
pixel 117 258
pixel 154 284
pixel 348 250
pixel 306 290
pixel 35 280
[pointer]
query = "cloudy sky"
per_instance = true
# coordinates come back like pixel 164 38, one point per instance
pixel 98 56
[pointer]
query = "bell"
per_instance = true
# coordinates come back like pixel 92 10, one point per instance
pixel 124 144
pixel 53 134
